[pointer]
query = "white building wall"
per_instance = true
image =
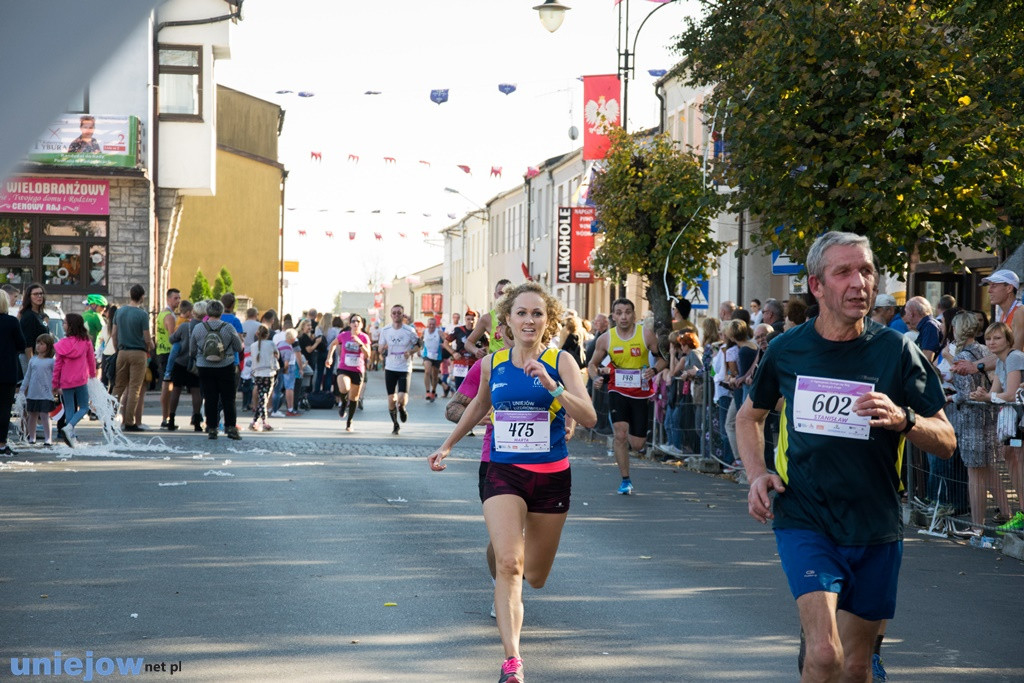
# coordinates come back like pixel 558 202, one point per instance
pixel 689 126
pixel 505 257
pixel 188 157
pixel 122 87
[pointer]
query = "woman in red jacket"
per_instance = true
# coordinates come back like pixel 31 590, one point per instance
pixel 74 365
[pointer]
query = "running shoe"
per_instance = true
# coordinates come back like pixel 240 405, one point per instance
pixel 253 427
pixel 1016 523
pixel 626 487
pixel 292 413
pixel 395 430
pixel 402 415
pixel 66 438
pixel 512 671
pixel 277 413
pixel 877 670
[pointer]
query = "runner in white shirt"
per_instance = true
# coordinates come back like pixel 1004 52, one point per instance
pixel 431 357
pixel 399 342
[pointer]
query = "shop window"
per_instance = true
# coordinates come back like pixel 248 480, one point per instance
pixel 62 265
pixel 15 238
pixel 98 266
pixel 181 82
pixel 62 228
pixel 64 255
pixel 19 277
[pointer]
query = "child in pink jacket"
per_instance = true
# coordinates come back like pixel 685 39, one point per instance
pixel 75 363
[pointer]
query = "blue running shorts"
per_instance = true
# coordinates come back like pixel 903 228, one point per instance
pixel 864 576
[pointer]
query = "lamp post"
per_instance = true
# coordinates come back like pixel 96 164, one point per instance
pixel 626 51
pixel 462 234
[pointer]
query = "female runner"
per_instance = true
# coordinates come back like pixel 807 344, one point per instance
pixel 354 350
pixel 526 491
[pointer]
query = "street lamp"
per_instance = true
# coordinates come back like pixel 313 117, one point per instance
pixel 551 14
pixel 452 190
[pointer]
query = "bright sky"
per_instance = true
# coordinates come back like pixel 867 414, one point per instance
pixel 404 49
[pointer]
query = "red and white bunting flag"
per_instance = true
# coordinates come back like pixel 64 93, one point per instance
pixel 351 236
pixel 377 235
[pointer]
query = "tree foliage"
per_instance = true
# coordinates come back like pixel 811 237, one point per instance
pixel 218 287
pixel 652 202
pixel 899 120
pixel 200 287
pixel 227 280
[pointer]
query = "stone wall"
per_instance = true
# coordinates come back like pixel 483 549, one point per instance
pixel 130 244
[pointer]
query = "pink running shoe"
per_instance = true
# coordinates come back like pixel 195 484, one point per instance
pixel 512 671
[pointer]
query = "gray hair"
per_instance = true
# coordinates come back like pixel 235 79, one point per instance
pixel 816 256
pixel 214 309
pixel 919 304
pixel 199 309
pixel 774 306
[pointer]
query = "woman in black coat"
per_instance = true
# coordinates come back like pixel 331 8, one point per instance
pixel 12 346
pixel 33 320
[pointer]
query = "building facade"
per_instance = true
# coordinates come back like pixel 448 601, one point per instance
pixel 87 210
pixel 246 212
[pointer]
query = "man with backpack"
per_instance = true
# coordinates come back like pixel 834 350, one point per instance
pixel 213 345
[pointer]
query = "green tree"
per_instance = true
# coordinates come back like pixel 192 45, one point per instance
pixel 200 287
pixel 229 282
pixel 899 120
pixel 218 287
pixel 654 207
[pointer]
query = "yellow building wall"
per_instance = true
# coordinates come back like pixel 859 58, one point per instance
pixel 238 229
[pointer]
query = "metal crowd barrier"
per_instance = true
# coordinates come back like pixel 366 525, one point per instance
pixel 937 491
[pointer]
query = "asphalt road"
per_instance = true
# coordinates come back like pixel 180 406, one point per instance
pixel 310 554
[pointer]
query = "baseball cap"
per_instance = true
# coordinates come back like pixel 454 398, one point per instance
pixel 97 299
pixel 1003 276
pixel 884 300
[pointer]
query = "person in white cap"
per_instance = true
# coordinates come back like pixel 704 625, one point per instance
pixel 884 309
pixel 1002 291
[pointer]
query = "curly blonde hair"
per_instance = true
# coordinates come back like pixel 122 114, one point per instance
pixel 553 305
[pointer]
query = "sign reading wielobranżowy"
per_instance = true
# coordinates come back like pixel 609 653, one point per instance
pixel 82 196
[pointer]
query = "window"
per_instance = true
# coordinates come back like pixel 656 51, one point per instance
pixel 181 83
pixel 65 255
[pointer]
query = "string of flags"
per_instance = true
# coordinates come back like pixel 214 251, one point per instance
pixel 353 234
pixel 441 95
pixel 318 157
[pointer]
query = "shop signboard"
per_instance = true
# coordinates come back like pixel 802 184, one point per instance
pixel 82 196
pixel 87 140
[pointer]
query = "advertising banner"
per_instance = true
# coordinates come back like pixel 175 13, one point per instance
pixel 601 113
pixel 82 196
pixel 574 244
pixel 582 243
pixel 87 140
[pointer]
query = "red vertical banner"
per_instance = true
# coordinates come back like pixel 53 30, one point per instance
pixel 582 243
pixel 601 112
